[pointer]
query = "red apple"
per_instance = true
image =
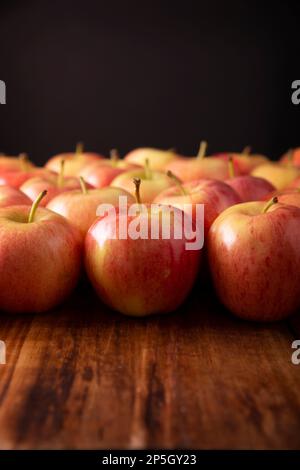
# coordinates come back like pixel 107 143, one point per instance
pixel 215 195
pixel 158 159
pixel 20 163
pixel 195 168
pixel 254 255
pixel 153 182
pixel 138 276
pixel 249 188
pixel 54 184
pixel 74 162
pixel 244 162
pixel 80 206
pixel 291 157
pixel 12 197
pixel 102 173
pixel 40 258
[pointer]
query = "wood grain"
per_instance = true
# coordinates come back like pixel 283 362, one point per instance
pixel 85 377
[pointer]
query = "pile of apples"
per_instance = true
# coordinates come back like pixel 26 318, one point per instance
pixel 50 234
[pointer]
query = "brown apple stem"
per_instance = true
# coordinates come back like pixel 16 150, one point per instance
pixel 178 182
pixel 83 185
pixel 114 156
pixel 231 167
pixel 148 171
pixel 61 175
pixel 23 158
pixel 35 205
pixel 202 150
pixel 79 148
pixel 137 183
pixel 269 204
pixel 246 150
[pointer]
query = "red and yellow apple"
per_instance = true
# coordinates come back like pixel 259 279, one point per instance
pixel 244 162
pixel 158 159
pixel 74 161
pixel 279 175
pixel 11 197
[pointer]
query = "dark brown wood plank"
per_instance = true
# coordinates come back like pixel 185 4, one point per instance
pixel 84 377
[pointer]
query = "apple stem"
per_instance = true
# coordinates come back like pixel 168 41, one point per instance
pixel 137 183
pixel 202 150
pixel 35 206
pixel 246 150
pixel 269 204
pixel 83 185
pixel 79 148
pixel 114 156
pixel 231 167
pixel 23 158
pixel 148 172
pixel 178 182
pixel 61 177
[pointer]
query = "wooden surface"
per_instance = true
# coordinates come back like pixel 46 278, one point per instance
pixel 84 377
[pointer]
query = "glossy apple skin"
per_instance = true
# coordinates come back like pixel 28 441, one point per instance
pixel 295 157
pixel 250 188
pixel 192 168
pixel 8 163
pixel 295 184
pixel 215 195
pixel 255 260
pixel 80 209
pixel 101 174
pixel 278 175
pixel 149 189
pixel 39 262
pixel 12 197
pixel 244 164
pixel 15 179
pixel 158 159
pixel 34 186
pixel 139 277
pixel 74 163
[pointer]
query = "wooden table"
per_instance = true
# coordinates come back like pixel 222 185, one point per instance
pixel 85 377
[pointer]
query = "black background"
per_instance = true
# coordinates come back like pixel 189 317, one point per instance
pixel 166 74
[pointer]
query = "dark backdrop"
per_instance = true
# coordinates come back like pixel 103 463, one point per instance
pixel 166 74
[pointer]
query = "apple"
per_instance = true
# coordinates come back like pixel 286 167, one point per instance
pixel 244 162
pixel 80 206
pixel 40 258
pixel 291 157
pixel 74 162
pixel 279 175
pixel 215 195
pixel 153 182
pixel 158 159
pixel 11 197
pixel 101 173
pixel 295 184
pixel 254 256
pixel 53 183
pixel 138 276
pixel 288 196
pixel 15 179
pixel 195 168
pixel 20 163
pixel 248 187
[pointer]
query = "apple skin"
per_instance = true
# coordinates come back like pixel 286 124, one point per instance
pixel 244 163
pixel 149 189
pixel 8 163
pixel 34 186
pixel 255 260
pixel 74 162
pixel 12 197
pixel 215 195
pixel 139 277
pixel 250 188
pixel 80 209
pixel 101 174
pixel 158 159
pixel 277 174
pixel 15 179
pixel 193 168
pixel 295 158
pixel 39 261
pixel 295 184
